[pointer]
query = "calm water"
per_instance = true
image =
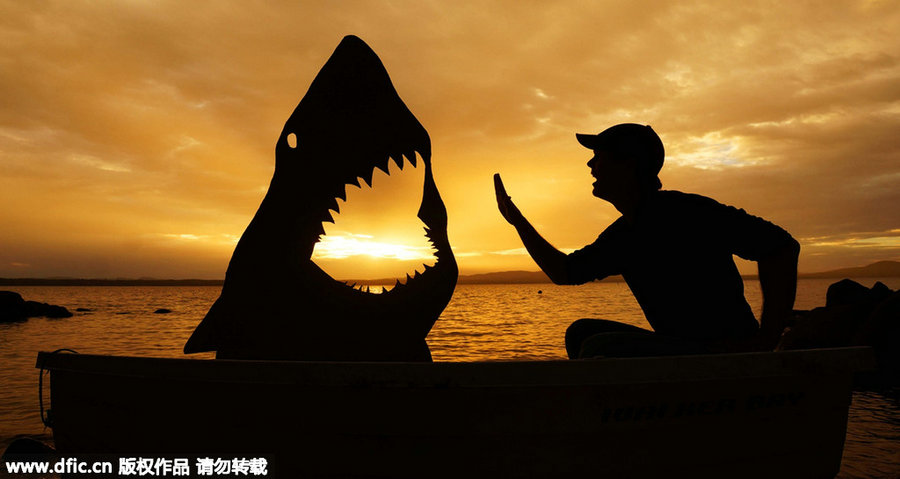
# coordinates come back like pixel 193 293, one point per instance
pixel 482 322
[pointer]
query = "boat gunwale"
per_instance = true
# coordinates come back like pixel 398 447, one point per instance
pixel 553 373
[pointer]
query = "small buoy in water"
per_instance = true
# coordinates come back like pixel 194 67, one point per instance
pixel 540 292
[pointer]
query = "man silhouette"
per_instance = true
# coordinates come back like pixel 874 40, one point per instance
pixel 674 251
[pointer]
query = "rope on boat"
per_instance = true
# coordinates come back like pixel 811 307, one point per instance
pixel 46 418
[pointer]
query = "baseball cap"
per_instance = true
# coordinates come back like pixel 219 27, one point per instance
pixel 629 138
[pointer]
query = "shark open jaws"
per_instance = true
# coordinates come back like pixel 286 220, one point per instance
pixel 276 303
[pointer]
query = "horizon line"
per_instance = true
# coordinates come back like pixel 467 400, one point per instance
pixel 467 278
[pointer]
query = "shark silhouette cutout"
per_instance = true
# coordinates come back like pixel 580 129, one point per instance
pixel 276 303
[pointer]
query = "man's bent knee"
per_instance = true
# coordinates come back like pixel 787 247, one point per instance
pixel 576 333
pixel 579 327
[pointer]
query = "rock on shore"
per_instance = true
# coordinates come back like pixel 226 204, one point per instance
pixel 14 308
pixel 853 315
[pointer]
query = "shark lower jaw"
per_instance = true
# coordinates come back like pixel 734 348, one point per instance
pixel 431 212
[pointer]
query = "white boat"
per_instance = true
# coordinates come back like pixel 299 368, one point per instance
pixel 747 415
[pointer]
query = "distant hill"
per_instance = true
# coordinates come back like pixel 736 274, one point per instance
pixel 502 277
pixel 881 269
pixel 505 277
pixel 517 277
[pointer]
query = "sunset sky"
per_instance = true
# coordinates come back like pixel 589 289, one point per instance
pixel 137 138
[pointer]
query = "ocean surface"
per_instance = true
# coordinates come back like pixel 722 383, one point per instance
pixel 483 322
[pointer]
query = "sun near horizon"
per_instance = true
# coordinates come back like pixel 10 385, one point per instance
pixel 137 139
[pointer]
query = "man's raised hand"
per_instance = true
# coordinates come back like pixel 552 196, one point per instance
pixel 504 203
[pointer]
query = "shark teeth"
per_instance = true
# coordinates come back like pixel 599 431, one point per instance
pixel 367 177
pixel 398 284
pixel 411 157
pixel 383 165
pixel 398 159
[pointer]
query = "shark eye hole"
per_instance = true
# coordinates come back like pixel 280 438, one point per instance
pixel 292 140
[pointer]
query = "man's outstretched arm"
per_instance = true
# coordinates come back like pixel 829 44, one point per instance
pixel 778 281
pixel 551 260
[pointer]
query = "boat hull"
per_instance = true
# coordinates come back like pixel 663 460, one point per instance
pixel 736 415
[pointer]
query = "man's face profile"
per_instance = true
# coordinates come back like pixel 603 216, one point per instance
pixel 613 174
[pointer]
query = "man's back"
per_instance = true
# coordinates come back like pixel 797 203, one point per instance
pixel 676 256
